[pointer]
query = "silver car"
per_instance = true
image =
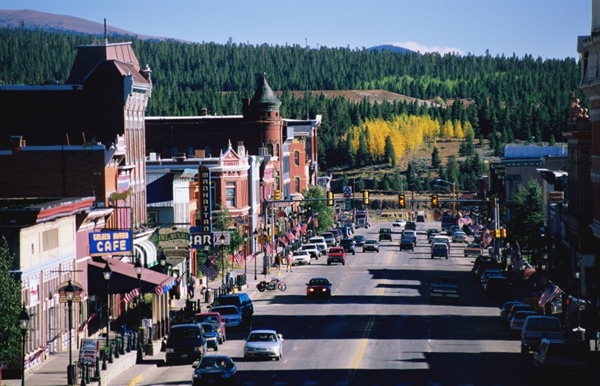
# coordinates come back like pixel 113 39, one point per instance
pixel 264 344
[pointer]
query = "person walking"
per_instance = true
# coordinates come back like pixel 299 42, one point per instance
pixel 289 261
pixel 278 262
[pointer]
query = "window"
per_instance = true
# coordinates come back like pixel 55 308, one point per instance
pixel 230 194
pixel 297 185
pixel 297 158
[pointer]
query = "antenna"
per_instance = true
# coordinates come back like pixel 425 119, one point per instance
pixel 307 69
pixel 105 33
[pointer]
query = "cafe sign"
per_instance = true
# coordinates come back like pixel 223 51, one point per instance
pixel 110 242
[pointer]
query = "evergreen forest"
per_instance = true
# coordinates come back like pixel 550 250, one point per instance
pixel 499 99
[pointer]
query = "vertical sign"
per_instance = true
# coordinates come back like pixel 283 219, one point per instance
pixel 204 200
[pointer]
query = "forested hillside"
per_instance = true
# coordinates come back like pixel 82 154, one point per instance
pixel 508 98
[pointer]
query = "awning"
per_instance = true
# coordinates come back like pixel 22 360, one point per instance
pixel 124 278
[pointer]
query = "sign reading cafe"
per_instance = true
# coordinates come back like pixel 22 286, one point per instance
pixel 110 242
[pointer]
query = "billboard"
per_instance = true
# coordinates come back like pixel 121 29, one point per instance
pixel 110 242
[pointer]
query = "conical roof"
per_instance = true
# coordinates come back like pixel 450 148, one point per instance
pixel 264 99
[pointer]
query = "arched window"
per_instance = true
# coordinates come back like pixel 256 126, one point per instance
pixel 297 158
pixel 297 185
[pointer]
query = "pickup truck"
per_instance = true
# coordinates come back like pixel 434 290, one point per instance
pixel 444 288
pixel 535 328
pixel 336 255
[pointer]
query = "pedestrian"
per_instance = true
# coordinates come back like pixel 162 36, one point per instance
pixel 289 261
pixel 191 286
pixel 279 262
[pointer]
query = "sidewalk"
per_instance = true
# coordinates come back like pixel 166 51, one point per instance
pixel 124 371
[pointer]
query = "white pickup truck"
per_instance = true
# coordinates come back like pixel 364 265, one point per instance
pixel 444 287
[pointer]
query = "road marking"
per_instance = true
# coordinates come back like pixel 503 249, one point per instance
pixel 135 380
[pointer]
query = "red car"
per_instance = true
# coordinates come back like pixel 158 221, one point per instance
pixel 318 286
pixel 336 255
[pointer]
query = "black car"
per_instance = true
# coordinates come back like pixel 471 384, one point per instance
pixel 349 245
pixel 385 234
pixel 359 240
pixel 214 370
pixel 186 343
pixel 411 225
pixel 407 244
pixel 240 300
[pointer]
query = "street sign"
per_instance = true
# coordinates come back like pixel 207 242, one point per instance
pixel 347 190
pixel 201 239
pixel 556 197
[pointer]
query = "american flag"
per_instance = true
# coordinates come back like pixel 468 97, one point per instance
pixel 159 290
pixel 133 294
pixel 87 321
pixel 549 294
pixel 250 257
pixel 282 240
pixel 290 236
pixel 529 270
pixel 269 248
pixel 303 228
pixel 487 238
pixel 239 258
pixel 208 269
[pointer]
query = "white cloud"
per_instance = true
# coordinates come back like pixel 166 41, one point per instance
pixel 414 46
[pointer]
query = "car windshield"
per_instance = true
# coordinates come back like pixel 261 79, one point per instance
pixel 184 333
pixel 214 363
pixel 208 327
pixel 318 282
pixel 262 337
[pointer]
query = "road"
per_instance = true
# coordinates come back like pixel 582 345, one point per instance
pixel 378 328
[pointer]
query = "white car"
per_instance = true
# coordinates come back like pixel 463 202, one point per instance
pixel 301 257
pixel 264 344
pixel 231 315
pixel 399 223
pixel 312 249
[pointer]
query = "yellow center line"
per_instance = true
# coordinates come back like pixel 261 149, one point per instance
pixel 362 344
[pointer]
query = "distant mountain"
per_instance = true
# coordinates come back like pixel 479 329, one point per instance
pixel 28 19
pixel 391 48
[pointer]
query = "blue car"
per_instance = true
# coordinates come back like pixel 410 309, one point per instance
pixel 214 370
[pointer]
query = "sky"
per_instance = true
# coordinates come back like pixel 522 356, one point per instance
pixel 542 28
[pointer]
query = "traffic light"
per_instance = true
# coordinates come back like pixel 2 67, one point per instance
pixel 401 202
pixel 366 197
pixel 329 198
pixel 503 233
pixel 277 194
pixel 434 201
pixel 497 233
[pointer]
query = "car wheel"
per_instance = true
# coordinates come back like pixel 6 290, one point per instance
pixel 524 350
pixel 343 263
pixel 217 348
pixel 328 263
pixel 432 256
pixel 353 253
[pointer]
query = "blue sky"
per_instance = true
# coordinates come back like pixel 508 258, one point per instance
pixel 541 28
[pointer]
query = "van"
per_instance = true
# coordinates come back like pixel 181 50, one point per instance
pixel 186 343
pixel 537 327
pixel 240 300
pixel 319 241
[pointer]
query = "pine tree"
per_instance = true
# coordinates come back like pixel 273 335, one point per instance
pixel 10 307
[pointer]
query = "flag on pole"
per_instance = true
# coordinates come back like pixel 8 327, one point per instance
pixel 282 240
pixel 131 295
pixel 551 292
pixel 290 236
pixel 208 269
pixel 239 258
pixel 529 270
pixel 250 257
pixel 269 248
pixel 87 321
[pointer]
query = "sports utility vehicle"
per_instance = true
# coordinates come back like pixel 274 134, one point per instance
pixel 241 300
pixel 349 245
pixel 385 234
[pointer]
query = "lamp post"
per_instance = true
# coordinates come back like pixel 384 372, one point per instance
pixel 70 293
pixel 106 273
pixel 138 271
pixel 24 326
pixel 579 331
pixel 222 246
pixel 162 260
pixel 246 255
pixel 266 256
pixel 254 236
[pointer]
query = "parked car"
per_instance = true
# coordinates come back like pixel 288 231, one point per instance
pixel 217 322
pixel 264 344
pixel 240 300
pixel 562 357
pixel 505 309
pixel 318 286
pixel 407 244
pixel 385 234
pixel 515 325
pixel 232 315
pixel 185 343
pixel 301 257
pixel 399 223
pixel 459 237
pixel 439 250
pixel 211 335
pixel 214 370
pixel 336 255
pixel 320 242
pixel 349 245
pixel 312 250
pixel 473 249
pixel 537 327
pixel 518 307
pixel 359 240
pixel 371 245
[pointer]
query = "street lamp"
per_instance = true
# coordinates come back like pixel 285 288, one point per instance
pixel 245 255
pixel 254 236
pixel 222 244
pixel 24 326
pixel 162 260
pixel 138 271
pixel 106 273
pixel 265 254
pixel 579 331
pixel 70 293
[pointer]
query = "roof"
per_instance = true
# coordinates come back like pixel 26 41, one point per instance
pixel 264 98
pixel 89 56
